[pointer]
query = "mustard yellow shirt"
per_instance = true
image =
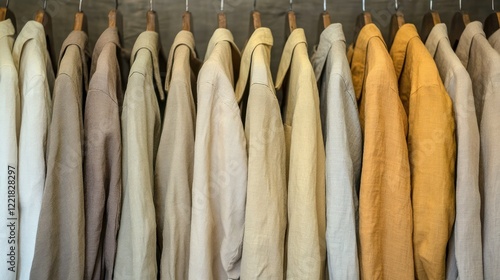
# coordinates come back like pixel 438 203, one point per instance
pixel 385 214
pixel 432 151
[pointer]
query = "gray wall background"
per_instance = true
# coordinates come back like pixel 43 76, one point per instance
pixel 204 14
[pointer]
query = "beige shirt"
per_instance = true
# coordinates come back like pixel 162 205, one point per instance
pixel 36 80
pixel 385 213
pixel 465 258
pixel 10 118
pixel 141 127
pixel 265 216
pixel 431 148
pixel 103 158
pixel 483 64
pixel 174 163
pixel 60 241
pixel 306 245
pixel 220 167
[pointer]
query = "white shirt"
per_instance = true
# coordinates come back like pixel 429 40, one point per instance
pixel 36 80
pixel 220 167
pixel 9 133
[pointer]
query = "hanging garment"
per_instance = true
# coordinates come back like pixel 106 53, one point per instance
pixel 483 64
pixel 431 149
pixel 494 41
pixel 174 163
pixel 36 81
pixel 465 259
pixel 220 166
pixel 265 214
pixel 344 148
pixel 10 118
pixel 141 128
pixel 306 245
pixel 60 240
pixel 103 158
pixel 385 213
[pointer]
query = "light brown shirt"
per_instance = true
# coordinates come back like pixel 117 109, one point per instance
pixel 306 244
pixel 385 214
pixel 103 155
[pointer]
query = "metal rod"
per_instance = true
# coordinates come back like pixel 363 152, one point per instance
pixel 221 5
pixel 430 5
pixel 460 5
pixel 151 5
pixel 324 5
pixel 363 6
pixel 291 5
pixel 396 4
pixel 80 6
pixel 187 5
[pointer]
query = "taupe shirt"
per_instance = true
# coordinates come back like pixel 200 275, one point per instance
pixel 60 241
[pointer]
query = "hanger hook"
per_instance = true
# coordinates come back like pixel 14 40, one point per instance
pixel 324 5
pixel 116 4
pixel 7 4
pixel 363 6
pixel 493 5
pixel 430 5
pixel 460 5
pixel 80 6
pixel 222 5
pixel 44 5
pixel 151 5
pixel 187 5
pixel 396 6
pixel 254 4
pixel 291 5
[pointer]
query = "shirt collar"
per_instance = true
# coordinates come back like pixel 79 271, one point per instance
pixel 110 35
pixel 183 38
pixel 472 30
pixel 261 36
pixel 6 28
pixel 79 39
pixel 149 40
pixel 438 33
pixel 359 53
pixel 296 37
pixel 224 35
pixel 331 35
pixel 405 34
pixel 32 30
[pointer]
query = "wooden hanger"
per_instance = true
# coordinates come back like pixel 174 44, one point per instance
pixel 80 20
pixel 397 20
pixel 430 19
pixel 221 16
pixel 492 22
pixel 459 21
pixel 45 19
pixel 326 16
pixel 363 19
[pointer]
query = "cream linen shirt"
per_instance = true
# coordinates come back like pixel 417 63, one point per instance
pixel 344 148
pixel 36 80
pixel 465 258
pixel 220 167
pixel 141 127
pixel 265 215
pixel 483 64
pixel 306 245
pixel 174 163
pixel 62 212
pixel 10 117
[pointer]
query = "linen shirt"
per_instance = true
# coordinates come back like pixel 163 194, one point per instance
pixel 431 148
pixel 174 163
pixel 385 214
pixel 60 241
pixel 103 158
pixel 265 214
pixel 10 117
pixel 465 259
pixel 220 166
pixel 483 64
pixel 344 147
pixel 141 128
pixel 306 245
pixel 36 81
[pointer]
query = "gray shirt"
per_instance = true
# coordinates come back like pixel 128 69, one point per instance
pixel 483 64
pixel 343 146
pixel 464 249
